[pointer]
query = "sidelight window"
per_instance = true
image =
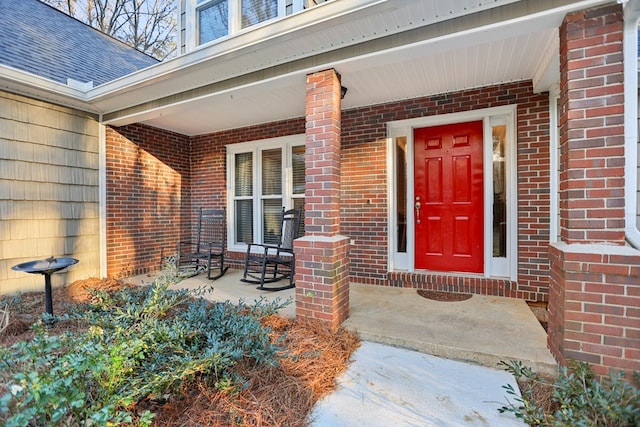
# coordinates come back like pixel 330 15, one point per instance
pixel 499 133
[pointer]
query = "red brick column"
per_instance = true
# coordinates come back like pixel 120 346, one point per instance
pixel 322 263
pixel 595 280
pixel 592 127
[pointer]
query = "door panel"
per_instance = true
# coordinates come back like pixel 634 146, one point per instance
pixel 434 229
pixel 434 176
pixel 461 174
pixel 449 215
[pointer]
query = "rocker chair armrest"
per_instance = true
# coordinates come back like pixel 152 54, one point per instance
pixel 216 247
pixel 265 247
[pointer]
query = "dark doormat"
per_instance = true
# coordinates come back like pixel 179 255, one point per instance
pixel 443 296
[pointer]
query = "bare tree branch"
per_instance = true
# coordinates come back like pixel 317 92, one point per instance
pixel 147 25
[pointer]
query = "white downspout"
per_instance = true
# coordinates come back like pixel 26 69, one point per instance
pixel 102 194
pixel 630 56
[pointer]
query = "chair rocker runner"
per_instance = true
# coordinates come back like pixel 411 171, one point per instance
pixel 265 264
pixel 207 252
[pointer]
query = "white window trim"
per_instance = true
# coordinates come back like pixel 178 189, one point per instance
pixel 235 20
pixel 493 267
pixel 256 147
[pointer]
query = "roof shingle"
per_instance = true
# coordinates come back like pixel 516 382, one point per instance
pixel 41 40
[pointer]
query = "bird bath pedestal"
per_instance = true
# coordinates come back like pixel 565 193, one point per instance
pixel 46 267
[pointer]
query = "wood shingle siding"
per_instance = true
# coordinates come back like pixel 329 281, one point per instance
pixel 48 190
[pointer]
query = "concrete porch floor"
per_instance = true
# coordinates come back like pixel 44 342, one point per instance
pixel 483 330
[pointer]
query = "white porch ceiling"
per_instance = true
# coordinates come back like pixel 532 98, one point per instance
pixel 414 72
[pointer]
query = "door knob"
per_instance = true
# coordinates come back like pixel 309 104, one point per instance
pixel 418 204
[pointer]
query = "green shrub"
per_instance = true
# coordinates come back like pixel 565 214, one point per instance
pixel 141 343
pixel 575 398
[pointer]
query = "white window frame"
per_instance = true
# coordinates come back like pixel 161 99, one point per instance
pixel 285 143
pixel 193 7
pixel 493 267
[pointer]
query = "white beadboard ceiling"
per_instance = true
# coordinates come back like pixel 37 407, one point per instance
pixel 385 50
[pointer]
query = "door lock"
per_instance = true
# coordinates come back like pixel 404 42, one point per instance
pixel 418 204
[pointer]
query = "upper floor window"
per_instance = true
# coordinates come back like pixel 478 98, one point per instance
pixel 215 19
pixel 256 11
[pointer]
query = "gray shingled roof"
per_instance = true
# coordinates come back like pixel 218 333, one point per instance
pixel 39 39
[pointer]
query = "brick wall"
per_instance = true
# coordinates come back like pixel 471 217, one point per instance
pixel 148 197
pixel 556 306
pixel 363 208
pixel 595 316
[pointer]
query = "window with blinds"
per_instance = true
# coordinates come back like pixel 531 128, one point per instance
pixel 266 176
pixel 256 11
pixel 271 194
pixel 298 178
pixel 244 197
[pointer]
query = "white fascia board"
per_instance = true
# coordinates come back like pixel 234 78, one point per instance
pixel 28 84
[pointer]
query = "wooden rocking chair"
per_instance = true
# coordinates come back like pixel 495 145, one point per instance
pixel 265 264
pixel 207 252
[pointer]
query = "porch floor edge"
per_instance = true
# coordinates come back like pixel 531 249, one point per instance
pixel 483 329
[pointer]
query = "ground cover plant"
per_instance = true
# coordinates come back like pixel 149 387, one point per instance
pixel 575 397
pixel 122 355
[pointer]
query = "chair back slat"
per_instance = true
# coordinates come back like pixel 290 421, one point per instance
pixel 290 228
pixel 212 230
pixel 206 252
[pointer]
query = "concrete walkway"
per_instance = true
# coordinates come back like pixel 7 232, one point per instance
pixel 389 386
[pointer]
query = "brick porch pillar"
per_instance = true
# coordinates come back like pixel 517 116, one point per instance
pixel 594 279
pixel 322 262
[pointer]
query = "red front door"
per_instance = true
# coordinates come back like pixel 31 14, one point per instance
pixel 449 208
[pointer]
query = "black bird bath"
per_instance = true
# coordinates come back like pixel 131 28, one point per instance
pixel 46 267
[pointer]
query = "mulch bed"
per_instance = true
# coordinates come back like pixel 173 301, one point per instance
pixel 274 396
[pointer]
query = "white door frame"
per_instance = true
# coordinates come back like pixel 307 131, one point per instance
pixel 493 267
